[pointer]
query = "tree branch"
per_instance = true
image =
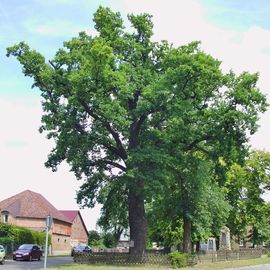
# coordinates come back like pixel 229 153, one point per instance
pixel 195 143
pixel 115 164
pixel 107 162
pixel 109 147
pixel 107 125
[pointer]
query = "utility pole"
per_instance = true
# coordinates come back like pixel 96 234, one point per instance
pixel 48 227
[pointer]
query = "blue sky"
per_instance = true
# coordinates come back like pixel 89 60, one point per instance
pixel 45 24
pixel 238 14
pixel 234 31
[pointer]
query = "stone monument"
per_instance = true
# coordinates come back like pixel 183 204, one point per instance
pixel 225 239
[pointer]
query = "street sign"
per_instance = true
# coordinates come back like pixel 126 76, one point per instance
pixel 49 221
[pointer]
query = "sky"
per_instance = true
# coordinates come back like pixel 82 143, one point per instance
pixel 237 32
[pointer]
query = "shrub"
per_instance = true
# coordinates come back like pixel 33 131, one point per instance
pixel 13 236
pixel 178 259
pixel 94 238
pixel 268 254
pixel 109 240
pixel 97 243
pixel 6 230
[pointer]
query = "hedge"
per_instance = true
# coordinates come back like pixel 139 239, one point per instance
pixel 13 236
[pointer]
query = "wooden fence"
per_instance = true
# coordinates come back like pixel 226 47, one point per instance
pixel 163 259
pixel 229 255
pixel 122 259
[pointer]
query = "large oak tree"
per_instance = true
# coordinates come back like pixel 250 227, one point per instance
pixel 116 103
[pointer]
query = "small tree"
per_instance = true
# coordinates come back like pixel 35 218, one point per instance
pixel 94 238
pixel 245 187
pixel 109 240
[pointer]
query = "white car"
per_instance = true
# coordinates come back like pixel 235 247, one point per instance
pixel 2 254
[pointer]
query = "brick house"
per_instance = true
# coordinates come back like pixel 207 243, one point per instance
pixel 29 209
pixel 79 233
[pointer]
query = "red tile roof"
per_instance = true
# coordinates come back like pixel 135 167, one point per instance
pixel 70 214
pixel 30 204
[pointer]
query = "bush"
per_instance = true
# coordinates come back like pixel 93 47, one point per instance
pixel 13 236
pixel 268 254
pixel 109 240
pixel 94 238
pixel 97 243
pixel 178 259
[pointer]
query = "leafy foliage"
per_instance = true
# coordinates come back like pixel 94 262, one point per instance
pixel 179 259
pixel 94 238
pixel 10 234
pixel 246 186
pixel 114 213
pixel 109 240
pixel 201 199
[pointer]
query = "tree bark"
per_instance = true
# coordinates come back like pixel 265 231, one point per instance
pixel 137 219
pixel 197 246
pixel 187 236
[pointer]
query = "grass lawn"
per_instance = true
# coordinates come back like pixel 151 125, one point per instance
pixel 208 266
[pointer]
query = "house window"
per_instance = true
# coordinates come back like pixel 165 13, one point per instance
pixel 241 243
pixel 5 218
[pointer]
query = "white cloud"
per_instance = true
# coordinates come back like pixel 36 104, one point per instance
pixel 56 28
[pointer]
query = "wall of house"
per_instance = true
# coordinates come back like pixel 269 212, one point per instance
pixel 60 244
pixel 60 232
pixel 31 223
pixel 78 235
pixel 60 227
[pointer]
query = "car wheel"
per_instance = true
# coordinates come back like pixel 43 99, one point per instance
pixel 3 261
pixel 14 258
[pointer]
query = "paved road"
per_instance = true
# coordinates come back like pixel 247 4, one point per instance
pixel 255 267
pixel 25 265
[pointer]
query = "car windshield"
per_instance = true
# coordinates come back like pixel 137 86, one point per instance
pixel 81 247
pixel 25 246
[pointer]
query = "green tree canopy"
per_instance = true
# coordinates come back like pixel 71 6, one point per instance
pixel 246 186
pixel 93 238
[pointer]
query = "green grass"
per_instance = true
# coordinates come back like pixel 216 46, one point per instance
pixel 204 266
pixel 106 267
pixel 230 264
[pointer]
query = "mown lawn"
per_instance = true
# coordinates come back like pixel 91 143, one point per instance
pixel 208 266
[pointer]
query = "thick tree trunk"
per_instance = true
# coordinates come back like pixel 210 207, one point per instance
pixel 198 246
pixel 187 235
pixel 137 219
